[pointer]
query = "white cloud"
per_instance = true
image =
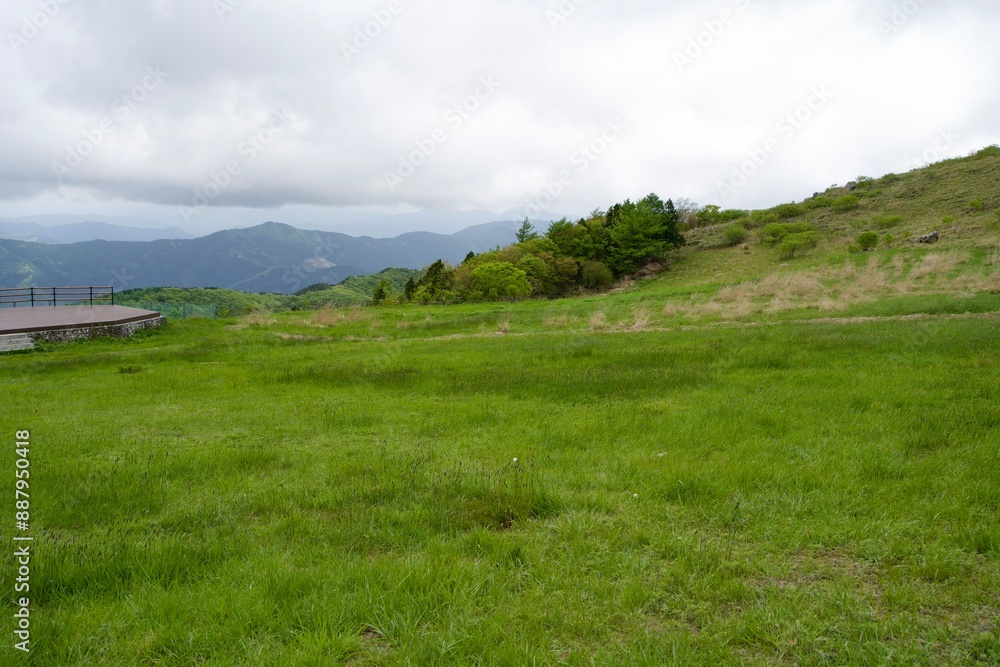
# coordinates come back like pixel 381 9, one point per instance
pixel 687 128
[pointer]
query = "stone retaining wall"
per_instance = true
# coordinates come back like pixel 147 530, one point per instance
pixel 108 330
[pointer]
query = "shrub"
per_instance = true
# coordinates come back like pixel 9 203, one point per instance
pixel 868 241
pixel 793 243
pixel 732 214
pixel 888 221
pixel 888 240
pixel 762 218
pixel 596 275
pixel 889 179
pixel 818 202
pixel 495 281
pixel 776 232
pixel 977 205
pixel 734 234
pixel 786 211
pixel 845 204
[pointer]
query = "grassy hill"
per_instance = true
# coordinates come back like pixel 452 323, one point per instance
pixel 354 291
pixel 745 460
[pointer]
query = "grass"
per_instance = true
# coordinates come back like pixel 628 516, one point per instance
pixel 745 461
pixel 808 493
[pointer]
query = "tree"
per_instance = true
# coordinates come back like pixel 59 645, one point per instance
pixel 642 231
pixel 495 281
pixel 596 275
pixel 468 258
pixel 527 232
pixel 410 289
pixel 382 293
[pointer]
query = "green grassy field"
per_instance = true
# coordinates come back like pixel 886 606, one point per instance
pixel 745 461
pixel 800 493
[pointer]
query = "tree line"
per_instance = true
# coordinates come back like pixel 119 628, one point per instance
pixel 590 254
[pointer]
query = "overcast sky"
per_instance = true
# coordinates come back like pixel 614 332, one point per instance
pixel 176 109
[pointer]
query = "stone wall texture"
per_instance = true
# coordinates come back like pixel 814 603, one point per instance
pixel 112 331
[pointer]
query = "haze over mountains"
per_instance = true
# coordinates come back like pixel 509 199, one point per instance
pixel 272 257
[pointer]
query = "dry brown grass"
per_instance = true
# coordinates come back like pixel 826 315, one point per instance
pixel 403 324
pixel 939 264
pixel 260 318
pixel 640 319
pixel 836 288
pixel 504 326
pixel 598 321
pixel 333 317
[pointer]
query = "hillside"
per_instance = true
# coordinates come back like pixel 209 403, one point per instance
pixel 354 291
pixel 269 258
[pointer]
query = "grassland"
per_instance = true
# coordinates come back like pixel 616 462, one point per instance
pixel 744 461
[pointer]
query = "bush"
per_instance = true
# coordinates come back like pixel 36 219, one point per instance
pixel 793 243
pixel 889 179
pixel 786 211
pixel 888 221
pixel 761 218
pixel 818 202
pixel 496 281
pixel 596 275
pixel 888 240
pixel 776 232
pixel 845 204
pixel 868 241
pixel 734 234
pixel 977 205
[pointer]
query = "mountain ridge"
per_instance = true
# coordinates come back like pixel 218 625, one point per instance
pixel 271 257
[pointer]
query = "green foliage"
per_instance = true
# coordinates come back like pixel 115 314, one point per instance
pixel 641 232
pixel 888 221
pixel 988 152
pixel 792 244
pixel 888 240
pixel 776 232
pixel 889 179
pixel 596 275
pixel 845 204
pixel 383 292
pixel 499 281
pixel 977 205
pixel 868 241
pixel 786 211
pixel 734 234
pixel 538 272
pixel 526 232
pixel 410 289
pixel 818 202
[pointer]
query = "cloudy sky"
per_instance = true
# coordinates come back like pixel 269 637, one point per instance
pixel 178 110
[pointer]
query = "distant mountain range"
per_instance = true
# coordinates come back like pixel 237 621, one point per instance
pixel 25 229
pixel 272 257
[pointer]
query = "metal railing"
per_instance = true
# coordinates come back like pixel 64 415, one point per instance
pixel 53 296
